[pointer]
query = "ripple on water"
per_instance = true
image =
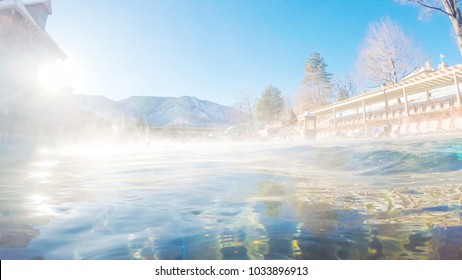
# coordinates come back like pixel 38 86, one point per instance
pixel 363 201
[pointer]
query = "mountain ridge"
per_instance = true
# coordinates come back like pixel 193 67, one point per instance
pixel 160 111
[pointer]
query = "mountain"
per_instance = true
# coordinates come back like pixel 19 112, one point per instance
pixel 39 118
pixel 185 111
pixel 29 117
pixel 98 105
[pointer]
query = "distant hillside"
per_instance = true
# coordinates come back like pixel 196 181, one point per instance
pixel 98 105
pixel 185 111
pixel 34 118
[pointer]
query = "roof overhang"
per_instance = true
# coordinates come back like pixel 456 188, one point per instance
pixel 19 6
pixel 45 3
pixel 422 82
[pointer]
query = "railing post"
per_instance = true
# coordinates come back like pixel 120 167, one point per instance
pixel 406 103
pixel 386 106
pixel 364 110
pixel 335 117
pixel 456 83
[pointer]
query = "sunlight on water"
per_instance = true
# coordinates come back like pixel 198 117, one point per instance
pixel 40 175
pixel 38 198
pixel 46 163
pixel 368 200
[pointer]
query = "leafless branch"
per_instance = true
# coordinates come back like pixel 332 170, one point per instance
pixel 432 7
pixel 388 55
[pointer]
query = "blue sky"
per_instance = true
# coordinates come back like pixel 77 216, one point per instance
pixel 217 49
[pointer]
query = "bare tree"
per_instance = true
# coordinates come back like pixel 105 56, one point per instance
pixel 288 114
pixel 346 88
pixel 245 104
pixel 447 7
pixel 388 55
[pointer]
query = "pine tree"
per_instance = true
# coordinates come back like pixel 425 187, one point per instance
pixel 270 105
pixel 317 83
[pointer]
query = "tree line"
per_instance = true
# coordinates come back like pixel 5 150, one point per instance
pixel 386 56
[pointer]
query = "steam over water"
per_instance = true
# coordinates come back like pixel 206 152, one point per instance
pixel 367 200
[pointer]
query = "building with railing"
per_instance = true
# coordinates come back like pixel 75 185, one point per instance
pixel 428 101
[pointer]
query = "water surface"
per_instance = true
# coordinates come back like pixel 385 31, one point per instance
pixel 399 199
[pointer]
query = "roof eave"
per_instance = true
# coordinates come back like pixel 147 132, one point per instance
pixel 20 7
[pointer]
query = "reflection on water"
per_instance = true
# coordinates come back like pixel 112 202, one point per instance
pixel 370 200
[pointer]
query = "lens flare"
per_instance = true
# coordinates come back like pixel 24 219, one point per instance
pixel 54 77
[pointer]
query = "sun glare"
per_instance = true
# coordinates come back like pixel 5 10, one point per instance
pixel 56 76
